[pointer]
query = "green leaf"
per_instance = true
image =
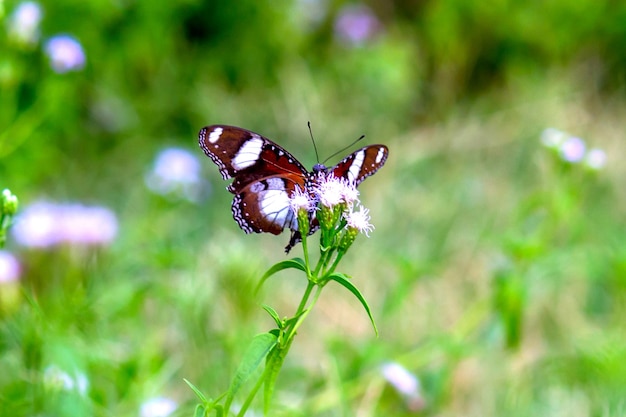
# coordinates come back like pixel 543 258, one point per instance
pixel 345 281
pixel 197 391
pixel 274 362
pixel 296 263
pixel 260 346
pixel 200 411
pixel 274 315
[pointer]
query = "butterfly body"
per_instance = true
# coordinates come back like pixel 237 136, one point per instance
pixel 266 175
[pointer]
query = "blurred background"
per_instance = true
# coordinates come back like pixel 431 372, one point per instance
pixel 497 269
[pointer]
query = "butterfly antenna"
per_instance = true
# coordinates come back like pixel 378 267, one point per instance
pixel 317 157
pixel 343 149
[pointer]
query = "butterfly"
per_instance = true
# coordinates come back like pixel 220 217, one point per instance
pixel 266 175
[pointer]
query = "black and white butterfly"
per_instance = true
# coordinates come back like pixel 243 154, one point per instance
pixel 266 175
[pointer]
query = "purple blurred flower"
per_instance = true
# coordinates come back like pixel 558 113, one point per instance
pixel 356 24
pixel 23 24
pixel 573 149
pixel 158 407
pixel 65 53
pixel 47 224
pixel 595 159
pixel 176 172
pixel 9 267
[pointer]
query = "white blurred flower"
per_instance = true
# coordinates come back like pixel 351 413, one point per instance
pixel 44 224
pixel 158 407
pixel 176 172
pixel 23 24
pixel 573 149
pixel 55 378
pixel 65 53
pixel 356 24
pixel 553 138
pixel 311 12
pixel 407 384
pixel 401 379
pixel 595 159
pixel 9 267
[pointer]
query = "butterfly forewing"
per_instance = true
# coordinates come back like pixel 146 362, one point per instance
pixel 361 164
pixel 246 156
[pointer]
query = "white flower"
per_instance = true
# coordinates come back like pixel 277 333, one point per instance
pixel 23 24
pixel 595 159
pixel 65 53
pixel 349 193
pixel 9 267
pixel 158 407
pixel 330 190
pixel 301 200
pixel 573 149
pixel 176 172
pixel 360 220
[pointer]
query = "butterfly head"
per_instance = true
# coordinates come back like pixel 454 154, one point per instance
pixel 317 168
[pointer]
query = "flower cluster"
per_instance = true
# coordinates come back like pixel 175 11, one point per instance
pixel 176 173
pixel 44 224
pixel 572 149
pixel 335 203
pixel 64 51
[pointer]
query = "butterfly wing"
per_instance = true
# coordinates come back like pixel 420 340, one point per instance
pixel 265 175
pixel 246 156
pixel 361 164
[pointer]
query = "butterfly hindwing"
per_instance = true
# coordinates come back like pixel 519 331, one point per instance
pixel 263 206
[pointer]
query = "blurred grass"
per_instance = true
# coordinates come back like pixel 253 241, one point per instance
pixel 474 218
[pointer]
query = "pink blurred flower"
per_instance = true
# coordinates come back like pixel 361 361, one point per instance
pixel 573 149
pixel 356 24
pixel 9 267
pixel 44 224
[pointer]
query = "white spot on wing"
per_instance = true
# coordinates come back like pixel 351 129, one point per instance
pixel 357 163
pixel 274 204
pixel 379 157
pixel 215 134
pixel 275 184
pixel 248 154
